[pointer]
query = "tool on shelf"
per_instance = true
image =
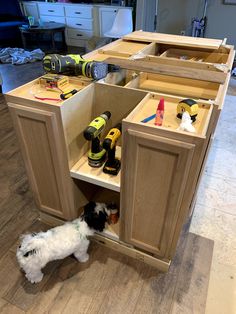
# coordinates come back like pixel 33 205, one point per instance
pixel 97 154
pixel 188 105
pixel 54 82
pixel 160 113
pixel 153 116
pixel 76 65
pixel 112 165
pixel 67 95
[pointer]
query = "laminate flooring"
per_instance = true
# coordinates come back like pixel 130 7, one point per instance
pixel 109 282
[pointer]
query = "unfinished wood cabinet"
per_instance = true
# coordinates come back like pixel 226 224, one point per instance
pixel 161 166
pixel 154 178
pixel 38 133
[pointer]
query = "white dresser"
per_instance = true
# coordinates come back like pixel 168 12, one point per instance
pixel 82 20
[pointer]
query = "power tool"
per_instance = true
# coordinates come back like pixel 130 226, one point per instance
pixel 112 165
pixel 76 65
pixel 97 154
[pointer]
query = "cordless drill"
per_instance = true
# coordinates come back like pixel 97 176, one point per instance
pixel 97 154
pixel 76 65
pixel 112 165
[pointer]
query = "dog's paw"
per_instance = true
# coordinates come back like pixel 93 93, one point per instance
pixel 84 258
pixel 35 279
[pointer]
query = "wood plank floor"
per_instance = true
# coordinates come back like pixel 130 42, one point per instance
pixel 109 282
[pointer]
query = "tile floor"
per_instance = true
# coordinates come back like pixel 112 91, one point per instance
pixel 215 212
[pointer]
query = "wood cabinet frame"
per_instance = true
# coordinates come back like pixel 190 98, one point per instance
pixel 55 129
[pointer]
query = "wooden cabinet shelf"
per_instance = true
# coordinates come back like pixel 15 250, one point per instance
pixel 82 171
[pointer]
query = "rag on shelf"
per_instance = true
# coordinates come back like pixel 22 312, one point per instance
pixel 20 56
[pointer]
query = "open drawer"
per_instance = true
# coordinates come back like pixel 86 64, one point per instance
pixel 148 106
pixel 220 58
pixel 33 92
pixel 209 62
pixel 172 85
pixel 123 49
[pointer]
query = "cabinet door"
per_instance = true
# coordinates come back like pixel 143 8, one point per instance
pixel 47 170
pixel 106 19
pixel 154 175
pixel 31 9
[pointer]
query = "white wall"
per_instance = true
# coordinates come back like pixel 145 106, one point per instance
pixel 176 15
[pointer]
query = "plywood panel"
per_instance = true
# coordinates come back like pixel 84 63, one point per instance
pixel 38 133
pixel 153 180
pixel 174 39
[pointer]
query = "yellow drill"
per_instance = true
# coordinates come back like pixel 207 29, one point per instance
pixel 76 65
pixel 112 165
pixel 97 154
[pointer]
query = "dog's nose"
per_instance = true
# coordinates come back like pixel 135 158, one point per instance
pixel 19 246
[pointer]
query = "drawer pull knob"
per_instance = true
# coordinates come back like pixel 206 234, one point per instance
pixel 79 24
pixel 50 10
pixel 77 12
pixel 79 35
pixel 115 11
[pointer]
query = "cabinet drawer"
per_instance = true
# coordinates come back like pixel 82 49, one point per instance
pixel 171 85
pixel 73 22
pixel 51 9
pixel 79 11
pixel 211 65
pixel 52 19
pixel 75 42
pixel 171 123
pixel 78 34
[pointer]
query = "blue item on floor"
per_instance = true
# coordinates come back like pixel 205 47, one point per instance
pixel 20 56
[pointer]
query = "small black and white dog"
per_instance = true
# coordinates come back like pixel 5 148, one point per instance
pixel 37 249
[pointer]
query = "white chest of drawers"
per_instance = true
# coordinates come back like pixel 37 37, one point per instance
pixel 79 22
pixel 82 21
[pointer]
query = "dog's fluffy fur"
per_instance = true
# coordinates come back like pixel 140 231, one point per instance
pixel 37 249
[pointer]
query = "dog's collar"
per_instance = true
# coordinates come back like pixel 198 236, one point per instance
pixel 77 227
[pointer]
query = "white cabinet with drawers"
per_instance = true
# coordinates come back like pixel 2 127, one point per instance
pixel 79 21
pixel 50 9
pixel 50 12
pixel 82 21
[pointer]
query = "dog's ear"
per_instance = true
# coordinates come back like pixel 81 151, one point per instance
pixel 101 221
pixel 94 220
pixel 88 208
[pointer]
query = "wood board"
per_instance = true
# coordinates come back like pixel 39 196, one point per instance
pixel 187 41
